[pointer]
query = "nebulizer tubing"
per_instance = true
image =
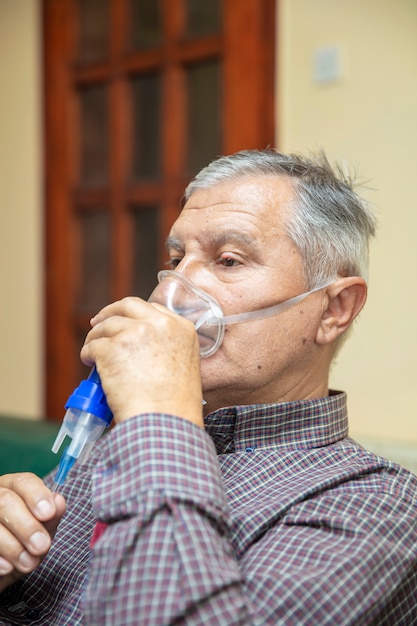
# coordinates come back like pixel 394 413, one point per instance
pixel 267 311
pixel 88 413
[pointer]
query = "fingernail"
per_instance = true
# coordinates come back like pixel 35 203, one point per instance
pixel 44 508
pixel 39 541
pixel 5 566
pixel 26 561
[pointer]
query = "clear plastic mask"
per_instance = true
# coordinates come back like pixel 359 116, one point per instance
pixel 180 295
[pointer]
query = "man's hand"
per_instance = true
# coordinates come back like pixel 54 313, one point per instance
pixel 147 358
pixel 29 517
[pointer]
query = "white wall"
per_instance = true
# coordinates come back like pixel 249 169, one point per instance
pixel 366 117
pixel 21 314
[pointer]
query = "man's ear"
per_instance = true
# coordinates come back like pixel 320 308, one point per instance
pixel 345 299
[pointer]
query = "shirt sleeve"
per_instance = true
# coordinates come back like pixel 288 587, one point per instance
pixel 165 556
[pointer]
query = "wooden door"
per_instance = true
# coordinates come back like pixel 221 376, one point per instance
pixel 139 94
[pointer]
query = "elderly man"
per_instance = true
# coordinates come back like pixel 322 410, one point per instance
pixel 229 491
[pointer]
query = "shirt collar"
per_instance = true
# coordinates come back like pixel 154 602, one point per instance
pixel 300 424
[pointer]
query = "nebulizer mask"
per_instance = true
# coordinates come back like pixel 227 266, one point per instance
pixel 180 295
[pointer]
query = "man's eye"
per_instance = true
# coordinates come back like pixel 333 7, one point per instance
pixel 228 261
pixel 174 262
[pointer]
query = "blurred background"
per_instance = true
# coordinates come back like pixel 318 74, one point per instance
pixel 108 107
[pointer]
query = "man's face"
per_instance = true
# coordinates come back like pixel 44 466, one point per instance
pixel 230 241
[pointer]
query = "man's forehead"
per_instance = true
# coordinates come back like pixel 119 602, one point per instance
pixel 248 211
pixel 260 193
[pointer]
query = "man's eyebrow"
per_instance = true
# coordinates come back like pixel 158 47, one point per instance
pixel 231 236
pixel 172 243
pixel 216 240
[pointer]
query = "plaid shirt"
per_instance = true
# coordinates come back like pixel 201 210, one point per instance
pixel 284 520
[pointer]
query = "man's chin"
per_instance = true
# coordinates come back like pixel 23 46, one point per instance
pixel 214 375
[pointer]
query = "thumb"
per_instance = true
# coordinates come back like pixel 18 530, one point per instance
pixel 52 524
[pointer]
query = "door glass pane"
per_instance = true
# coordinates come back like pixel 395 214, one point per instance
pixel 146 136
pixel 203 119
pixel 145 24
pixel 94 135
pixel 203 17
pixel 94 262
pixel 145 250
pixel 93 29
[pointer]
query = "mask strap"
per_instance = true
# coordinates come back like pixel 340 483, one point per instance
pixel 268 311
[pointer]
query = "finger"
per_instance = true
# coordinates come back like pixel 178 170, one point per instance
pixel 25 505
pixel 98 340
pixel 32 490
pixel 15 556
pixel 19 529
pixel 5 566
pixel 52 525
pixel 127 307
pixel 110 327
pixel 126 331
pixel 18 557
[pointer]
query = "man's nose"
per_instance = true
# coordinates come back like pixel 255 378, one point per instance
pixel 193 269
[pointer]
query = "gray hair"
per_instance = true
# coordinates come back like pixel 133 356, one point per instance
pixel 331 225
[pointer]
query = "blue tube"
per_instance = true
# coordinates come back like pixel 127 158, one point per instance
pixel 64 467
